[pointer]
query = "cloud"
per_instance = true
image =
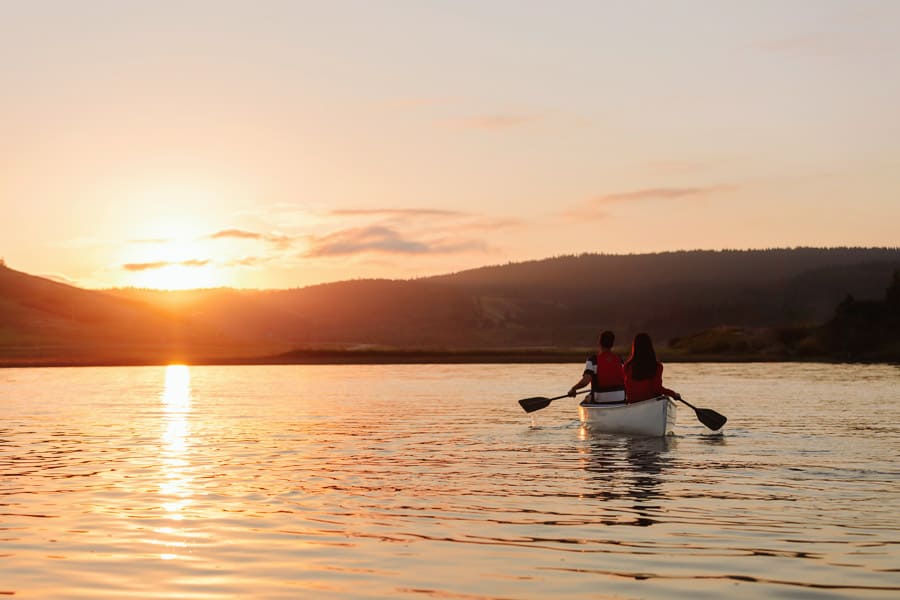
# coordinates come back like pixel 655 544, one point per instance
pixel 282 242
pixel 146 266
pixel 386 231
pixel 382 240
pixel 193 263
pixel 363 239
pixel 430 218
pixel 279 240
pixel 660 194
pixel 248 261
pixel 161 264
pixel 236 233
pixel 596 208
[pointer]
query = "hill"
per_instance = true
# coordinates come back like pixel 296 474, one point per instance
pixel 368 311
pixel 556 305
pixel 47 322
pixel 566 300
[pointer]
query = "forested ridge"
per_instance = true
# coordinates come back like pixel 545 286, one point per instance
pixel 726 304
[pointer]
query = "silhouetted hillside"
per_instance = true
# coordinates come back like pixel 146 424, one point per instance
pixel 381 311
pixel 756 299
pixel 44 321
pixel 866 329
pixel 622 272
pixel 859 330
pixel 556 302
pixel 568 299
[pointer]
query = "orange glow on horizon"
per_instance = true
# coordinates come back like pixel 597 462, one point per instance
pixel 173 254
pixel 177 277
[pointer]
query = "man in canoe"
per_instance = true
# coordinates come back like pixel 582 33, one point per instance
pixel 603 371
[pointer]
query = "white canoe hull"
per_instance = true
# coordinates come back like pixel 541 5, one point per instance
pixel 652 418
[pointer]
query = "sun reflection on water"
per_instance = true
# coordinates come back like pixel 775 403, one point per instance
pixel 176 485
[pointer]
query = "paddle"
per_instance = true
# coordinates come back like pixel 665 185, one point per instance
pixel 539 402
pixel 707 416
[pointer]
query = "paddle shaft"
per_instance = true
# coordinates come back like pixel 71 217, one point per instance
pixel 680 399
pixel 561 397
pixel 567 396
pixel 539 402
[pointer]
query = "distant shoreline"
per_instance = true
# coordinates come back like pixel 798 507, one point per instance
pixel 396 357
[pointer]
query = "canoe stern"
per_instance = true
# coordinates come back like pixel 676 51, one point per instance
pixel 655 417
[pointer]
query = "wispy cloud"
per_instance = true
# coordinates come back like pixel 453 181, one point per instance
pixel 455 220
pixel 597 208
pixel 280 240
pixel 250 261
pixel 660 194
pixel 236 233
pixel 385 240
pixel 389 231
pixel 161 264
pixel 429 224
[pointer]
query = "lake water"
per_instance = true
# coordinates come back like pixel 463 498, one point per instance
pixel 429 481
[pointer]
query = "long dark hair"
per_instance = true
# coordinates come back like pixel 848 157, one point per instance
pixel 642 362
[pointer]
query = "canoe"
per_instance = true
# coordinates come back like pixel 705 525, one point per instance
pixel 652 418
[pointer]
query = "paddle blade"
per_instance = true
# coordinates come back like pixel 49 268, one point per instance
pixel 711 418
pixel 533 404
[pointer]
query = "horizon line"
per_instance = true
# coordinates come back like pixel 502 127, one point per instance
pixel 65 281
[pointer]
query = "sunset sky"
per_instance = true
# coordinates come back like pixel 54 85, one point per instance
pixel 279 144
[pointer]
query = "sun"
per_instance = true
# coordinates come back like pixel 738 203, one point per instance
pixel 178 277
pixel 173 257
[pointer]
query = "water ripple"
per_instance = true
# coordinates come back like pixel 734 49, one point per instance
pixel 264 481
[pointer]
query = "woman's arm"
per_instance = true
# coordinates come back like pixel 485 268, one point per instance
pixel 661 388
pixel 671 393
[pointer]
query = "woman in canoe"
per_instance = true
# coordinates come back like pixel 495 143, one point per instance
pixel 643 373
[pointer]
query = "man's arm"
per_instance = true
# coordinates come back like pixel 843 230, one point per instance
pixel 585 379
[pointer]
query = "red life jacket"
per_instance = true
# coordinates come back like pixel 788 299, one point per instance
pixel 610 373
pixel 644 389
